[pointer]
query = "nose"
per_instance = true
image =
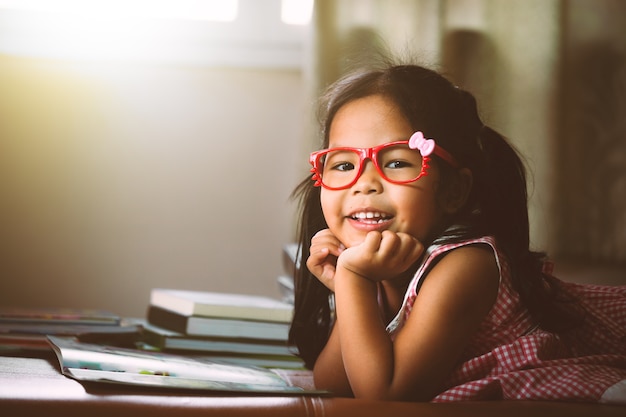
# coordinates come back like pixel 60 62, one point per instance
pixel 370 181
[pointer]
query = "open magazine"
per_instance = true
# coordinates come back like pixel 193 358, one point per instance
pixel 97 363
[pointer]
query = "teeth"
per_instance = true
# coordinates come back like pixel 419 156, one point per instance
pixel 369 215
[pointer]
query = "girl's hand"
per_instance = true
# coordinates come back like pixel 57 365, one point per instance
pixel 322 261
pixel 382 256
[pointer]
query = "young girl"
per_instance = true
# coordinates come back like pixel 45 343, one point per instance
pixel 419 283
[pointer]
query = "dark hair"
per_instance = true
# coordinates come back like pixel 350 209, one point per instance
pixel 496 206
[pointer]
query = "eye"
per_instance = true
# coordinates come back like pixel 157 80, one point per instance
pixel 397 164
pixel 341 161
pixel 399 157
pixel 342 166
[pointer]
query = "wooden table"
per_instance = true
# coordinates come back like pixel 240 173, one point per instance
pixel 33 386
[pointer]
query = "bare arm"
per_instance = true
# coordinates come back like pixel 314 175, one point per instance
pixel 452 302
pixel 329 370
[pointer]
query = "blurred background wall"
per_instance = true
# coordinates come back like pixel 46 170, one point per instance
pixel 146 152
pixel 167 158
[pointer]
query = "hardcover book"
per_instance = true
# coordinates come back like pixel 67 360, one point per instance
pixel 30 333
pixel 217 327
pixel 213 304
pixel 58 316
pixel 170 340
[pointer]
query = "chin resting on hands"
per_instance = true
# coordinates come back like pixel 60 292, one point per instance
pixel 382 255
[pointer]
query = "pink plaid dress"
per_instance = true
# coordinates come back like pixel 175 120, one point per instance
pixel 510 358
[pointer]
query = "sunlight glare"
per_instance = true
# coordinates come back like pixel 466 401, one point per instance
pixel 211 10
pixel 296 12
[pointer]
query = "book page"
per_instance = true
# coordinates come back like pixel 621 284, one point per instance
pixel 97 363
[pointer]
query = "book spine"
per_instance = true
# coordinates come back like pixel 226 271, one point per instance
pixel 153 339
pixel 167 319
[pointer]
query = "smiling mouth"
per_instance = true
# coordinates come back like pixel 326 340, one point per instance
pixel 371 217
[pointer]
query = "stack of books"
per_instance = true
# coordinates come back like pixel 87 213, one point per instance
pixel 234 328
pixel 28 328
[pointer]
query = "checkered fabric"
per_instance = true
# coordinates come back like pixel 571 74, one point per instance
pixel 511 358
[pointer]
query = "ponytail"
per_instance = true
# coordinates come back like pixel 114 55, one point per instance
pixel 502 193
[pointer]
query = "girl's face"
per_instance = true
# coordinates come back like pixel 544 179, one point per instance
pixel 373 203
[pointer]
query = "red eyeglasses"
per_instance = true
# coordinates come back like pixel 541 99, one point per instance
pixel 399 162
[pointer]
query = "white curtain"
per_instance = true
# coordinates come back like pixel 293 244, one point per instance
pixel 548 74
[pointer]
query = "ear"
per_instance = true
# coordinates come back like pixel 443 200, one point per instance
pixel 456 195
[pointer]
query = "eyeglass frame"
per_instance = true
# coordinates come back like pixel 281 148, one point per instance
pixel 417 142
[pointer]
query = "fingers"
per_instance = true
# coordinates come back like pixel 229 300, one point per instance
pixel 326 242
pixel 402 246
pixel 393 245
pixel 383 255
pixel 323 253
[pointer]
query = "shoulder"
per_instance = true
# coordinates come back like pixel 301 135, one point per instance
pixel 465 279
pixel 473 257
pixel 453 277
